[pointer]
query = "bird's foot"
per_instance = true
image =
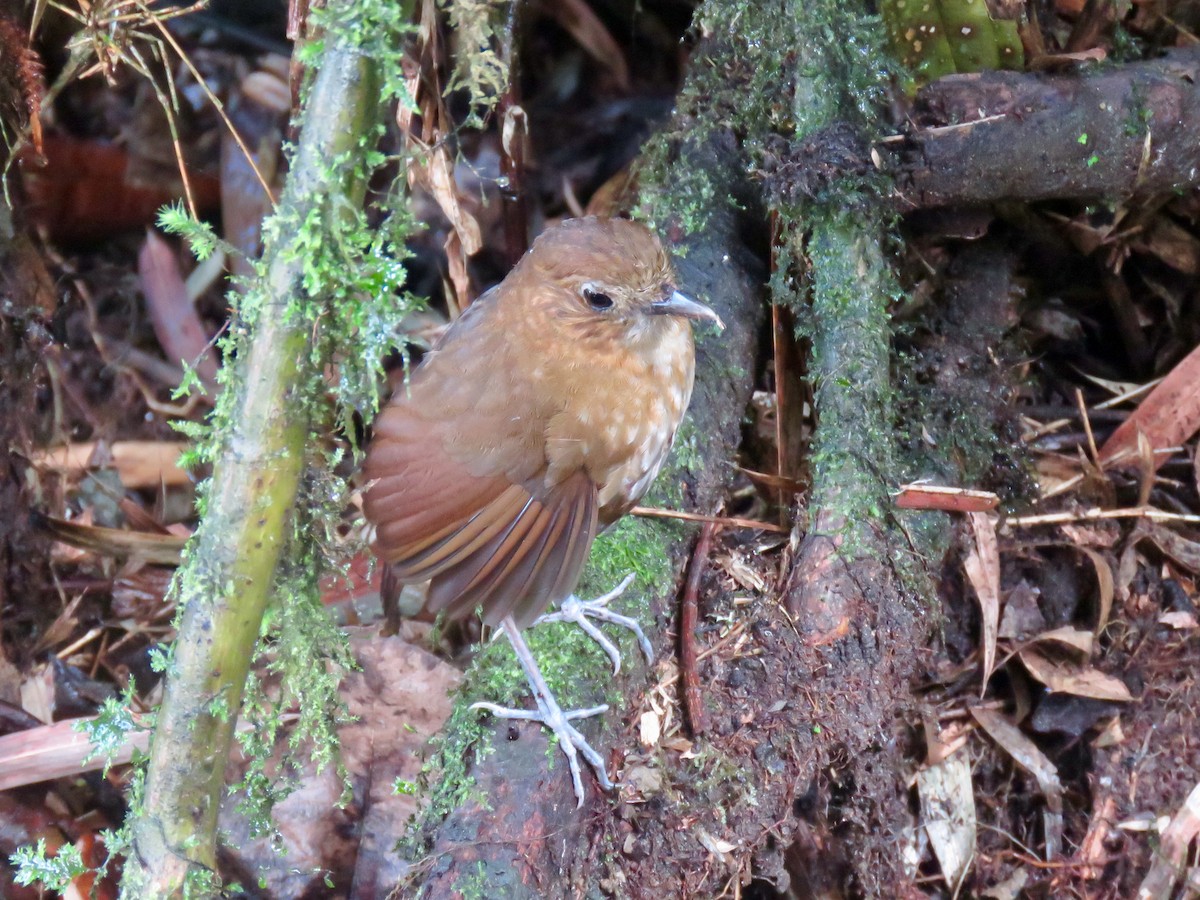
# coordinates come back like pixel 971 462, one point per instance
pixel 553 716
pixel 582 611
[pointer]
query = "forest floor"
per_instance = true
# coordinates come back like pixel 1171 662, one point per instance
pixel 1049 745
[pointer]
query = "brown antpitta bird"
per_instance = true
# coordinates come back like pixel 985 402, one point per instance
pixel 542 416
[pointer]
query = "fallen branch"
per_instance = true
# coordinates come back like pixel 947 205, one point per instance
pixel 1129 131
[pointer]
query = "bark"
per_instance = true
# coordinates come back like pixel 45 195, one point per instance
pixel 1127 132
pixel 227 578
pixel 27 303
pixel 525 835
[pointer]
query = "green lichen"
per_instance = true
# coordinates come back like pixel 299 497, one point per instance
pixel 479 29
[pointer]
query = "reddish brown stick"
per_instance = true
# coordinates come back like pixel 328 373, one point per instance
pixel 692 703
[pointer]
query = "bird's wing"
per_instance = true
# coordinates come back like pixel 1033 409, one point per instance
pixel 485 541
pixel 458 493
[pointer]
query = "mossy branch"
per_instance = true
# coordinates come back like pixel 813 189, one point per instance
pixel 225 584
pixel 851 339
pixel 839 235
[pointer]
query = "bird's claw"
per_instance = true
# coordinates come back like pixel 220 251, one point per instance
pixel 550 714
pixel 580 611
pixel 558 720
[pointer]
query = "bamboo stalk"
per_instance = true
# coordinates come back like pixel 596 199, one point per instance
pixel 226 580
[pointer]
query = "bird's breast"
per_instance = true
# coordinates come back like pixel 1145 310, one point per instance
pixel 619 422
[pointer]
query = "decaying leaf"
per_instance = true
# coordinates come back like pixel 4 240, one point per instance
pixel 1168 416
pixel 1169 860
pixel 1180 620
pixel 1183 551
pixel 948 814
pixel 1104 585
pixel 1026 755
pixel 1081 640
pixel 649 728
pixel 715 845
pixel 983 568
pixel 1066 678
pixel 180 332
pixel 140 464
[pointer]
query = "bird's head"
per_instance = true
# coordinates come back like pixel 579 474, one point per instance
pixel 610 274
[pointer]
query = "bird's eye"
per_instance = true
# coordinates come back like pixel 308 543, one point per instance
pixel 596 299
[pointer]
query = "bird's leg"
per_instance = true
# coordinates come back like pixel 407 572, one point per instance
pixel 550 714
pixel 580 611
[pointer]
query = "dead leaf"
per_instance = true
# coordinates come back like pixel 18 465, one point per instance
pixel 1171 243
pixel 1127 563
pixel 645 780
pixel 1104 585
pixel 1071 637
pixel 144 546
pixel 649 728
pixel 983 569
pixel 1022 616
pixel 1168 416
pixel 1080 681
pixel 1179 620
pixel 435 171
pixel 942 743
pixel 948 814
pixel 1026 755
pixel 140 464
pixel 1111 735
pixel 746 576
pixel 180 332
pixel 57 751
pixel 715 845
pixel 1146 468
pixel 1183 551
pixel 1011 888
pixel 1171 854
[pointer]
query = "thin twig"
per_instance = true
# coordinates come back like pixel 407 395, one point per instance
pixel 734 632
pixel 1087 427
pixel 212 98
pixel 649 512
pixel 1089 515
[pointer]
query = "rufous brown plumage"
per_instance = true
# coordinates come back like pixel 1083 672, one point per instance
pixel 542 416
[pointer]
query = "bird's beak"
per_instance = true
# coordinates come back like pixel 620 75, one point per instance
pixel 679 305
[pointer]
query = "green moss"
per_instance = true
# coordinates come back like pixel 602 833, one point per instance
pixel 575 667
pixel 476 885
pixel 55 872
pixel 479 30
pixel 849 288
pixel 445 778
